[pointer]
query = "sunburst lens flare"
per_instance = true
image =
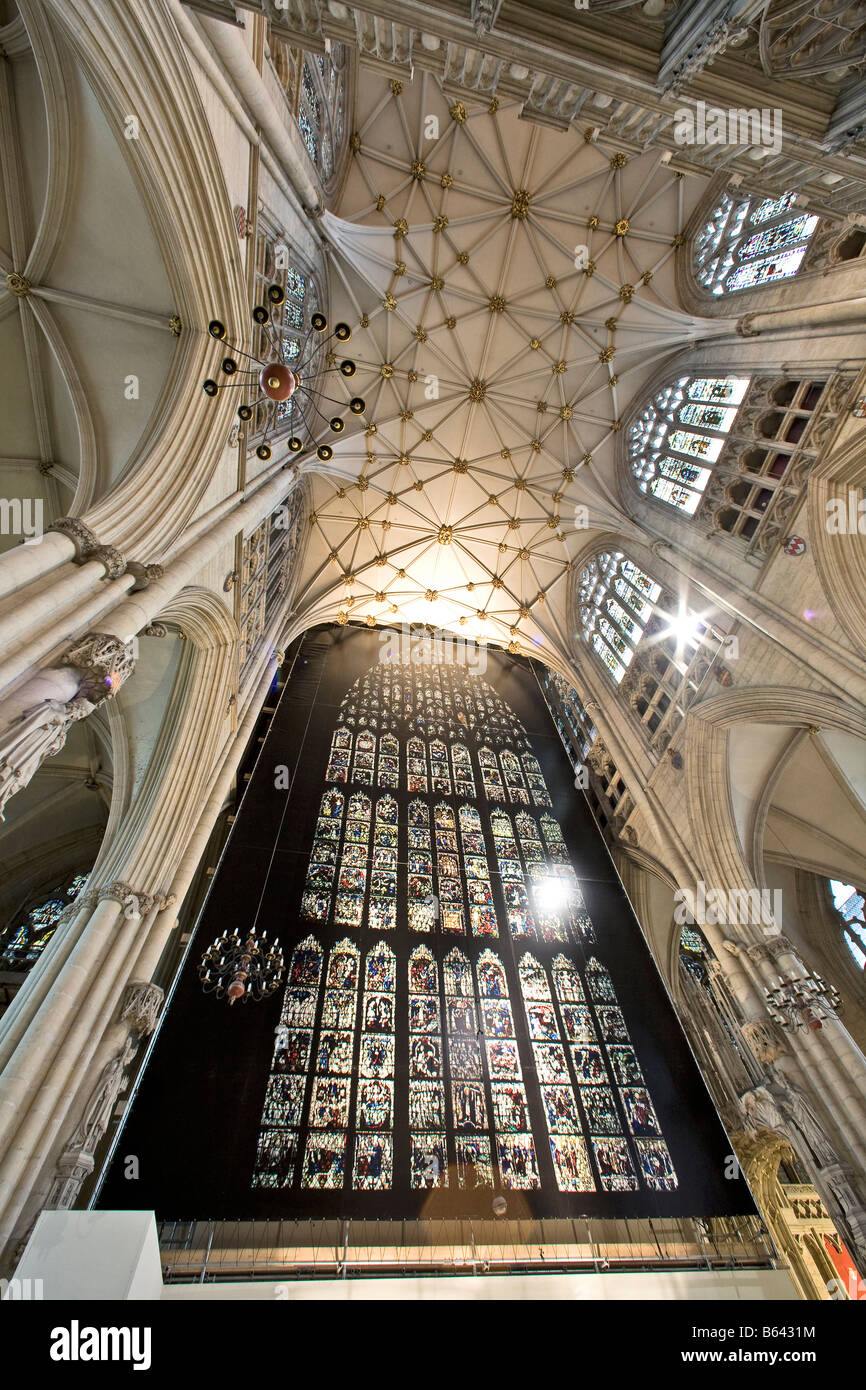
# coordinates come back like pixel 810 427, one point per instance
pixel 342 333
pixel 216 329
pixel 347 367
pixel 325 453
pixel 357 405
pixel 210 387
pixel 276 294
pixel 319 322
pixel 229 365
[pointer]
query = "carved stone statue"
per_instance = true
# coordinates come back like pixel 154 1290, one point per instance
pixel 35 735
pixel 99 663
pixel 76 1161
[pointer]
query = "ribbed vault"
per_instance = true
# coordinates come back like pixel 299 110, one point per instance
pixel 496 359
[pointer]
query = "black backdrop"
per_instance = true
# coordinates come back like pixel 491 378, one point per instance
pixel 194 1122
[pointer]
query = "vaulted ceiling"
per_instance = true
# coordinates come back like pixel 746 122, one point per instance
pixel 497 360
pixel 85 304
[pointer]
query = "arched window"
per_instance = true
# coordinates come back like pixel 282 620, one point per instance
pixel 656 650
pixel 315 88
pixel 615 602
pixel 678 437
pixel 850 904
pixel 26 938
pixel 749 241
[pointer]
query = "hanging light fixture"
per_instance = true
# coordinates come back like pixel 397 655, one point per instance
pixel 236 967
pixel 802 1001
pixel 271 382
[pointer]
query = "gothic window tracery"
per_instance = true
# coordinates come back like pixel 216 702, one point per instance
pixel 748 242
pixel 850 905
pixel 674 464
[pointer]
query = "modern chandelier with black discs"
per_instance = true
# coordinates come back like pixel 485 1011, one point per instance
pixel 273 382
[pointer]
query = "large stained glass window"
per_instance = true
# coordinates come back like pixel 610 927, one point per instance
pixel 672 463
pixel 748 242
pixel 451 1023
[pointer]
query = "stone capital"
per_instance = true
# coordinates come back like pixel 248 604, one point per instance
pixel 765 1039
pixel 134 902
pixel 104 661
pixel 88 546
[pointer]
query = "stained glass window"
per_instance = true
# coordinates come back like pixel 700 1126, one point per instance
pixel 464 778
pixel 849 904
pixel 667 460
pixel 749 242
pixel 22 943
pixel 352 883
pixel 567 1142
pixel 482 913
pixel 416 765
pixel 515 1146
pixel 281 1117
pixel 389 761
pixel 328 1120
pixel 374 1105
pixel 341 756
pixel 468 1100
pixel 535 780
pixel 317 896
pixel 428 1150
pixel 364 766
pixel 491 777
pixel 383 884
pixel 518 912
pixel 469 859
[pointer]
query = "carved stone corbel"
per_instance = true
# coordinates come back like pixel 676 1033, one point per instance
pixel 144 575
pixel 744 326
pixel 140 1006
pixel 765 1039
pixel 104 663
